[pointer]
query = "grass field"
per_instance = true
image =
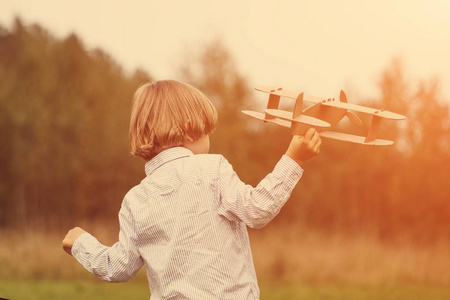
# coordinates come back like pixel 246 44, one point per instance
pixel 290 265
pixel 88 289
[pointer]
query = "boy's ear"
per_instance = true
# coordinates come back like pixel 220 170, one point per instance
pixel 188 138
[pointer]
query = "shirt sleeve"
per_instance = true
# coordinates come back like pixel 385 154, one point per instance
pixel 118 263
pixel 256 206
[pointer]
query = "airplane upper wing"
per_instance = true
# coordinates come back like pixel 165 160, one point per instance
pixel 372 111
pixel 329 102
pixel 288 94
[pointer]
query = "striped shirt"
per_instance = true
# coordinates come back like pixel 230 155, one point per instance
pixel 187 223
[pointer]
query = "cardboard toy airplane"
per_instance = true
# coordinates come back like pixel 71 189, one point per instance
pixel 324 114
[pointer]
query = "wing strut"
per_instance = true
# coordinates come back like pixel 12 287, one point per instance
pixel 298 128
pixel 274 102
pixel 373 130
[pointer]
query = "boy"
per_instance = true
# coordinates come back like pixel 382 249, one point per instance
pixel 186 221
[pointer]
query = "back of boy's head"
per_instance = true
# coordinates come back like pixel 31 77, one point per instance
pixel 164 112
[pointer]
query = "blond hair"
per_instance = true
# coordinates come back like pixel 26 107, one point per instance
pixel 164 112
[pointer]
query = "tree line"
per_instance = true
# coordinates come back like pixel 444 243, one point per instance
pixel 64 113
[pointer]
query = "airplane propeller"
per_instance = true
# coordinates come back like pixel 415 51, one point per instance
pixel 351 116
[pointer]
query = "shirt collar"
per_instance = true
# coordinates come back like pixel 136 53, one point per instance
pixel 166 156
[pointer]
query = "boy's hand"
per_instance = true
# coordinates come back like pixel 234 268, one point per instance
pixel 70 238
pixel 304 147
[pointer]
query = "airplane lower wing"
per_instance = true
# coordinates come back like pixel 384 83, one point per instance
pixel 261 116
pixel 304 119
pixel 353 138
pixel 324 134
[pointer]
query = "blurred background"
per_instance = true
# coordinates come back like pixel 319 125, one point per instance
pixel 363 223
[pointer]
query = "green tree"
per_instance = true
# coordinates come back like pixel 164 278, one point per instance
pixel 64 129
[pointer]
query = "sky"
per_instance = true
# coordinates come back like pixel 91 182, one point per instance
pixel 315 46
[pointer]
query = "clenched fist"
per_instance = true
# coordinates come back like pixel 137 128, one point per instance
pixel 70 238
pixel 303 148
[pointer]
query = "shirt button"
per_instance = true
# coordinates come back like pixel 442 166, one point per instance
pixel 295 177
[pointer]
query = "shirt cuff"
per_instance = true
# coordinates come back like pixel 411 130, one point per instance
pixel 289 170
pixel 81 245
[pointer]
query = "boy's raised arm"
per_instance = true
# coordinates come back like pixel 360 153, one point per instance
pixel 258 206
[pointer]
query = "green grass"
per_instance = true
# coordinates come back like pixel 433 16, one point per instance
pixel 71 290
pixel 290 265
pixel 98 290
pixel 354 292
